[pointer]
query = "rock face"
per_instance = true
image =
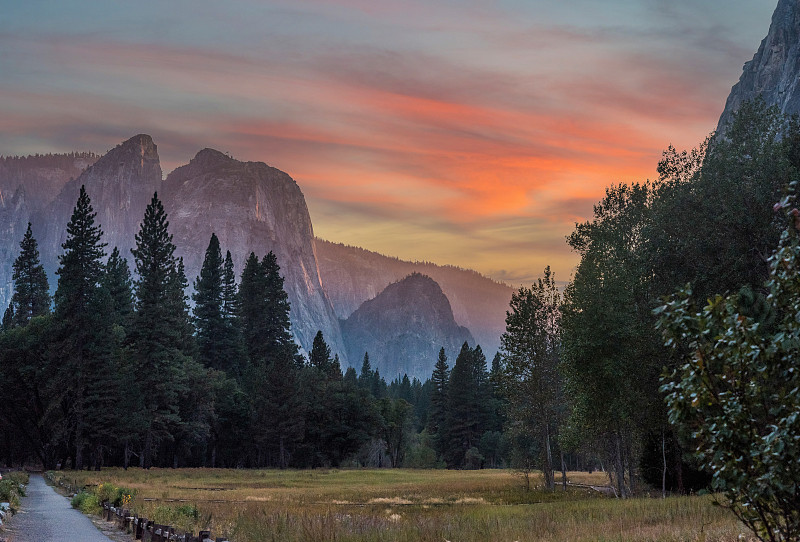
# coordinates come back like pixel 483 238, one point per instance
pixel 774 71
pixel 252 208
pixel 27 186
pixel 403 329
pixel 120 185
pixel 353 275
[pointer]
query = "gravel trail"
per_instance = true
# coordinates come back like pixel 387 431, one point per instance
pixel 46 516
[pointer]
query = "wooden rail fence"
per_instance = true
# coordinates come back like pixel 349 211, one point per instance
pixel 149 531
pixel 142 528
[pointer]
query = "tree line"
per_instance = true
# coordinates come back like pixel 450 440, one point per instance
pixel 116 368
pixel 588 369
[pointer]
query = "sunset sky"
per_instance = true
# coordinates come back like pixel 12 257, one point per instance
pixel 462 132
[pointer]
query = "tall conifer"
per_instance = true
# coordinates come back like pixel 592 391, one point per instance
pixel 84 334
pixel 209 316
pixel 31 297
pixel 158 329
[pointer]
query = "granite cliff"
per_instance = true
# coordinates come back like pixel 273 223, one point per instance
pixel 774 71
pixel 404 327
pixel 252 207
pixel 120 185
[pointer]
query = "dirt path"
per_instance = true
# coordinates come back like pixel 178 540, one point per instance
pixel 46 516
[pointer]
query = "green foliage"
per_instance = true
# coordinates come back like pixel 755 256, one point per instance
pixel 86 502
pixel 530 357
pixel 83 339
pixel 11 489
pixel 160 337
pixel 468 404
pixel 736 391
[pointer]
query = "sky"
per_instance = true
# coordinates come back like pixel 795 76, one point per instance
pixel 463 132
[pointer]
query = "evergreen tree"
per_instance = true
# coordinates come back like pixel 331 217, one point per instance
pixel 320 356
pixel 230 306
pixel 8 318
pixel 84 335
pixel 437 418
pixel 158 329
pixel 271 379
pixel 366 375
pixel 252 309
pixel 31 297
pixel 117 280
pixel 466 407
pixel 279 336
pixel 209 315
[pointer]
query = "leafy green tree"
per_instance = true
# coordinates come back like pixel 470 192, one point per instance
pixel 530 349
pixel 736 391
pixel 31 297
pixel 396 428
pixel 33 395
pixel 611 358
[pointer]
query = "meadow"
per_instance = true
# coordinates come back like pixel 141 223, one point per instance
pixel 399 505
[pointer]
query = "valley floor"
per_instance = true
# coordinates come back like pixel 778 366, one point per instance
pixel 406 505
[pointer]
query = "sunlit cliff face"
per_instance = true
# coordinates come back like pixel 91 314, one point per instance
pixel 469 133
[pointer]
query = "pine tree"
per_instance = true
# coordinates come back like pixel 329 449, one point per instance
pixel 117 281
pixel 272 375
pixel 84 334
pixel 366 375
pixel 158 329
pixel 31 297
pixel 466 405
pixel 8 318
pixel 279 336
pixel 320 356
pixel 437 418
pixel 208 309
pixel 252 309
pixel 230 305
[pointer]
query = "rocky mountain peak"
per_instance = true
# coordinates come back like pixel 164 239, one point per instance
pixel 208 159
pixel 774 71
pixel 251 206
pixel 404 327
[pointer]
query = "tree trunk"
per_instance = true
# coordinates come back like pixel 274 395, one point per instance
pixel 664 459
pixel 547 469
pixel 147 453
pixel 620 469
pixel 563 471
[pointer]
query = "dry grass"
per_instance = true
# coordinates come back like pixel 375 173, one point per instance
pixel 411 505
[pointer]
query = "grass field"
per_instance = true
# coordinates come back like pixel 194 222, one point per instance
pixel 406 505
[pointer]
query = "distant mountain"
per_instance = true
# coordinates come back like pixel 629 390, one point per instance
pixel 28 184
pixel 404 327
pixel 251 207
pixel 774 71
pixel 120 185
pixel 353 275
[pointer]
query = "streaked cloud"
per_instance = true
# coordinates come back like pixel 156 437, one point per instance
pixel 469 133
